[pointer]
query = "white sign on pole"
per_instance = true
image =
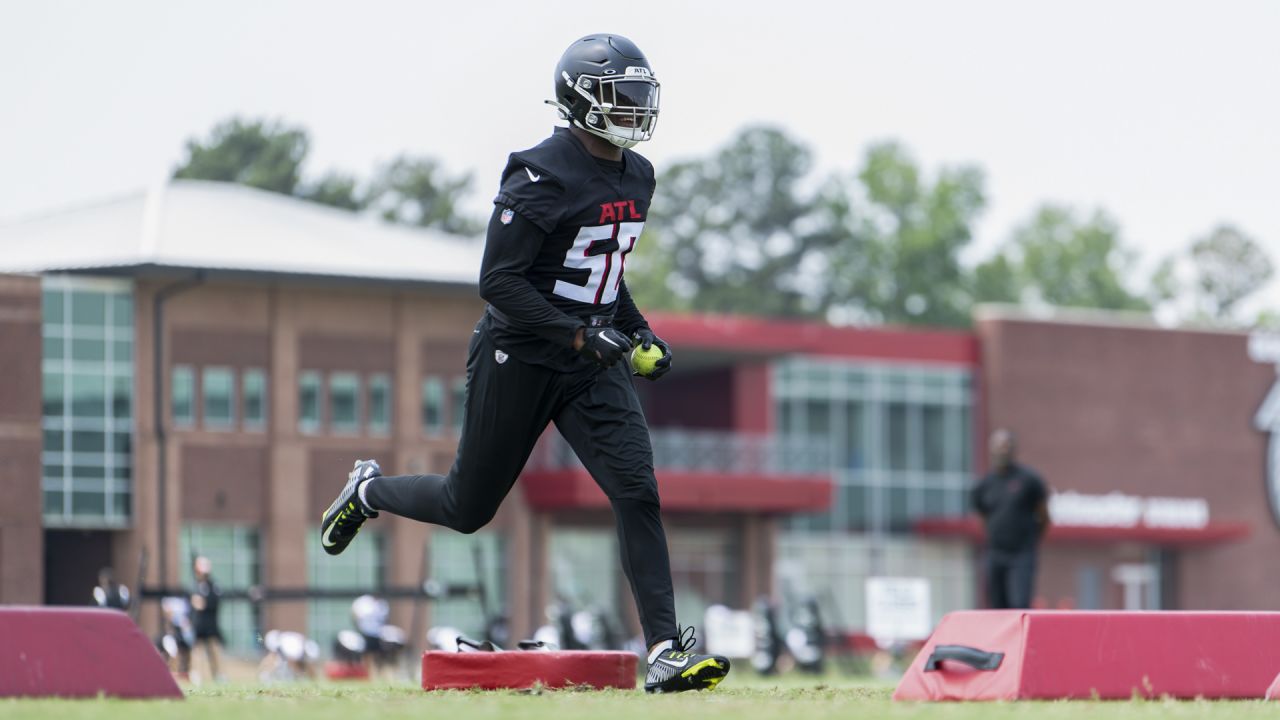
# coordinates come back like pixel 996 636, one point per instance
pixel 898 609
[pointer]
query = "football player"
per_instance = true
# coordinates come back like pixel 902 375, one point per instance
pixel 552 342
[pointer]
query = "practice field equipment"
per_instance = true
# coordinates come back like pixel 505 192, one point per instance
pixel 519 670
pixel 1046 655
pixel 78 653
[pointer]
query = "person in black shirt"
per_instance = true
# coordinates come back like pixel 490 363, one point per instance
pixel 204 605
pixel 552 342
pixel 1014 504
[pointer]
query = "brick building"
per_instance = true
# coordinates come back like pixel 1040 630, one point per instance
pixel 288 339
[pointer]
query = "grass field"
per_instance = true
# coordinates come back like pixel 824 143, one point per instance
pixel 741 698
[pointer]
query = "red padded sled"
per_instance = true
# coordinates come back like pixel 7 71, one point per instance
pixel 78 652
pixel 518 670
pixel 1023 655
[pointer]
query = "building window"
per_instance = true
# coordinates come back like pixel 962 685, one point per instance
pixel 459 403
pixel 359 567
pixel 899 437
pixel 344 402
pixel 433 405
pixel 233 553
pixel 182 395
pixel 253 397
pixel 218 389
pixel 309 402
pixel 379 404
pixel 87 401
pixel 466 560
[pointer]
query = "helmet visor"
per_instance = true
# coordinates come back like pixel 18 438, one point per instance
pixel 632 93
pixel 631 105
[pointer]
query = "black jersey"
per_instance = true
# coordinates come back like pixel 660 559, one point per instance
pixel 583 217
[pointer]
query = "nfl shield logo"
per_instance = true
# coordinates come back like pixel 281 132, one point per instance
pixel 500 356
pixel 506 216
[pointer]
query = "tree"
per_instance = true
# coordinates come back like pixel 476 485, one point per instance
pixel 336 190
pixel 256 153
pixel 917 230
pixel 1229 267
pixel 1059 259
pixel 734 232
pixel 415 191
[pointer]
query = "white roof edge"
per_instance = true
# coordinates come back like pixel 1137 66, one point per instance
pixel 229 228
pixel 1094 317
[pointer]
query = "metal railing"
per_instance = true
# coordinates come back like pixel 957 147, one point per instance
pixel 707 451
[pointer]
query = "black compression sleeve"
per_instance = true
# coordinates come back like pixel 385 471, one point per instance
pixel 509 250
pixel 627 317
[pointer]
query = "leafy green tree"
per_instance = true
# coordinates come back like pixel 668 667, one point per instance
pixel 336 190
pixel 416 191
pixel 1060 259
pixel 1229 267
pixel 260 154
pixel 735 232
pixel 918 229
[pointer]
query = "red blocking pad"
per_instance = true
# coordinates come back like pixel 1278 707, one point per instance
pixel 1042 655
pixel 78 652
pixel 517 670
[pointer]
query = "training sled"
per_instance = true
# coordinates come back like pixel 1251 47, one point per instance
pixel 518 670
pixel 77 653
pixel 1034 655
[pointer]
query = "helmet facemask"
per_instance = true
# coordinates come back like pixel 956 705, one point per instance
pixel 622 109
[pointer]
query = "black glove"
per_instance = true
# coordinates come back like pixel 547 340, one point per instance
pixel 604 346
pixel 645 338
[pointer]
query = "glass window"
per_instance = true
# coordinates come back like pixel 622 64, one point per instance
pixel 52 389
pixel 855 447
pixel 87 401
pixel 360 567
pixel 88 350
pixel 895 430
pixel 88 309
pixel 51 348
pixel 379 404
pixel 817 418
pixel 459 403
pixel 182 393
pixel 253 397
pixel 934 439
pixel 88 395
pixel 53 306
pixel 344 402
pixel 309 401
pixel 468 559
pixel 122 397
pixel 433 405
pixel 122 311
pixel 233 554
pixel 218 388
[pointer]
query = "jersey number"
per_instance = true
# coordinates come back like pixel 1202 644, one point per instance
pixel 606 268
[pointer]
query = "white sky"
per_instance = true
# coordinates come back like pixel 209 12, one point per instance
pixel 1165 113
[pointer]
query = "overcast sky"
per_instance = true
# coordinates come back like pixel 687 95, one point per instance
pixel 1167 114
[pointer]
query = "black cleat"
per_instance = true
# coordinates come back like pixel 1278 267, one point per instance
pixel 341 522
pixel 677 670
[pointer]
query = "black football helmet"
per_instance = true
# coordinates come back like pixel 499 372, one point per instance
pixel 605 86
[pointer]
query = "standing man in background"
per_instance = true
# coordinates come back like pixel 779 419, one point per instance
pixel 1014 504
pixel 204 604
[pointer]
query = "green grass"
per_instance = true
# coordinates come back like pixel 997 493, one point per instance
pixel 740 698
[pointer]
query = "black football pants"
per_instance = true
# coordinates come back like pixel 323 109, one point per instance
pixel 1010 578
pixel 508 405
